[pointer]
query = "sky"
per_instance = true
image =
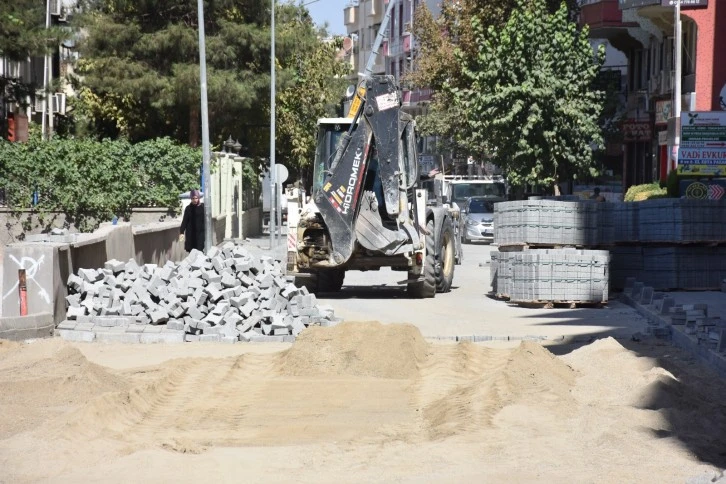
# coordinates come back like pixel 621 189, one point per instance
pixel 330 11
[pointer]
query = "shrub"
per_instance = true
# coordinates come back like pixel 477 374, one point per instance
pixel 91 181
pixel 673 186
pixel 648 191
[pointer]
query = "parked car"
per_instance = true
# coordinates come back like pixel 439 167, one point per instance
pixel 478 219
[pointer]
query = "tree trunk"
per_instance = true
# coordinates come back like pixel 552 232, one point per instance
pixel 194 130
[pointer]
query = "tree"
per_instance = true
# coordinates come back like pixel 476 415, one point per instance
pixel 316 91
pixel 528 97
pixel 436 41
pixel 23 35
pixel 140 67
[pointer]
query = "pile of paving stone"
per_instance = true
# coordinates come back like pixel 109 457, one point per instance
pixel 226 295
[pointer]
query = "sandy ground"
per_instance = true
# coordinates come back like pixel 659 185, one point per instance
pixel 360 402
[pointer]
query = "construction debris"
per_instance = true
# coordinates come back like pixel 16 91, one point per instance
pixel 226 296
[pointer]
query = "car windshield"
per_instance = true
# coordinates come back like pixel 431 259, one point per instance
pixel 462 191
pixel 480 206
pixel 328 138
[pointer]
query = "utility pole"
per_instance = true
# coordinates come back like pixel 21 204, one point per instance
pixel 205 131
pixel 677 82
pixel 47 78
pixel 273 191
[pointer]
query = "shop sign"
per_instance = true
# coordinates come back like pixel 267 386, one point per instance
pixel 685 3
pixel 662 112
pixel 703 143
pixel 636 131
pixel 662 138
pixel 704 189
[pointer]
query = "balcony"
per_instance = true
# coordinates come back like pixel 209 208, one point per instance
pixel 374 8
pixel 601 14
pixel 605 20
pixel 350 15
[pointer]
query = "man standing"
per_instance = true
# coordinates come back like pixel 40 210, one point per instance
pixel 597 196
pixel 192 226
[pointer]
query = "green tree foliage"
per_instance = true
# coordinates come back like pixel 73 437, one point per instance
pixel 528 98
pixel 140 68
pixel 315 92
pixel 456 28
pixel 23 34
pixel 91 181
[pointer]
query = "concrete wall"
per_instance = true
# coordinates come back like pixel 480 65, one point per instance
pixel 49 259
pixel 158 243
pixel 19 328
pixel 252 222
pixel 27 222
pixel 47 267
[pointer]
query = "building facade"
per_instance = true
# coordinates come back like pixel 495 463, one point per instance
pixel 48 75
pixel 363 19
pixel 644 30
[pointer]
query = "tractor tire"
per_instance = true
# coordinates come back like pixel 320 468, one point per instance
pixel 427 287
pixel 330 280
pixel 447 257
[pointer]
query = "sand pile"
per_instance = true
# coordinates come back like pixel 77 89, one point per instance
pixel 527 375
pixel 363 402
pixel 357 349
pixel 45 379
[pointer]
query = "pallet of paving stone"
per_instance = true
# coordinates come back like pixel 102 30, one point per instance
pixel 559 304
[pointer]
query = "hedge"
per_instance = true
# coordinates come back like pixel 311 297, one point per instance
pixel 93 181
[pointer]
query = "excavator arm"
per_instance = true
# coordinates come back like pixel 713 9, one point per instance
pixel 376 128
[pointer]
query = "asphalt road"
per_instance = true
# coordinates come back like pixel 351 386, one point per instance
pixel 468 310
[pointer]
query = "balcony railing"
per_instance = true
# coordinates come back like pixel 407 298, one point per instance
pixel 596 13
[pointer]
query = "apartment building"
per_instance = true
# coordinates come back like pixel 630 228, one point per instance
pixel 363 19
pixel 644 30
pixel 49 102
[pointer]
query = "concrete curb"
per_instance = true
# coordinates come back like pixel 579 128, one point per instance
pixel 18 328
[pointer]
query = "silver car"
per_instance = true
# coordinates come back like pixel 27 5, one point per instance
pixel 478 219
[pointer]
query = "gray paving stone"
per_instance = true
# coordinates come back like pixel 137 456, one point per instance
pixel 66 324
pixel 213 338
pixel 75 312
pixel 163 337
pixel 116 337
pixel 74 335
pixel 266 339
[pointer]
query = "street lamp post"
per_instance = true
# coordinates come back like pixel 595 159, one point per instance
pixel 205 131
pixel 273 192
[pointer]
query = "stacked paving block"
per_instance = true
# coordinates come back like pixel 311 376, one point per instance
pixel 546 222
pixel 539 258
pixel 227 295
pixel 552 275
pixel 667 243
